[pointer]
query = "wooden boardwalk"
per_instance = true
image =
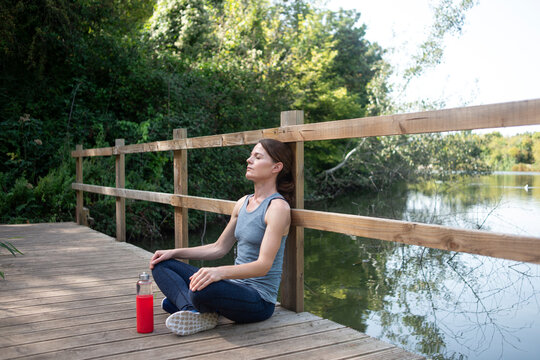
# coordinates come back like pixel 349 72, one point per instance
pixel 71 296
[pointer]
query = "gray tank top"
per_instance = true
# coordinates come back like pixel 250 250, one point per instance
pixel 249 232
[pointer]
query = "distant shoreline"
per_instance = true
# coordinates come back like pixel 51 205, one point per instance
pixel 516 172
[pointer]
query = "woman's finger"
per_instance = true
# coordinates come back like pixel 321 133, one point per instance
pixel 158 257
pixel 193 279
pixel 153 260
pixel 204 284
pixel 200 279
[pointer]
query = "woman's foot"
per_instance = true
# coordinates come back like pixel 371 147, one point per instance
pixel 191 322
pixel 168 306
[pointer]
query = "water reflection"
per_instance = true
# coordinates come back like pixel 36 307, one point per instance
pixel 498 203
pixel 441 304
pixel 506 203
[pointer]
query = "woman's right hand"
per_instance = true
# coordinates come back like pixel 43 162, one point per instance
pixel 159 256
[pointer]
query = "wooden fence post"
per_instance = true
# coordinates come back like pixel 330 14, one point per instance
pixel 120 201
pixel 292 287
pixel 79 179
pixel 181 239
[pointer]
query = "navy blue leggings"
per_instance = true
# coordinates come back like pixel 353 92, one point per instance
pixel 236 302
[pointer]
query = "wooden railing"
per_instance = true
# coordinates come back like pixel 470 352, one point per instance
pixel 295 132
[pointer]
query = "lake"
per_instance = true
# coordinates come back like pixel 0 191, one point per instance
pixel 441 304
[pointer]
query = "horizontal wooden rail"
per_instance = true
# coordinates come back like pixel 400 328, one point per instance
pixel 516 113
pixel 505 246
pixel 191 202
pixel 512 247
pixel 158 197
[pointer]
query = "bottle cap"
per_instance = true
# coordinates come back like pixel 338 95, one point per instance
pixel 144 276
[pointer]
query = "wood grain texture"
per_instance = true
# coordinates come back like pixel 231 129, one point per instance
pixel 120 166
pixel 180 164
pixel 292 284
pixel 79 194
pixel 505 246
pixel 517 113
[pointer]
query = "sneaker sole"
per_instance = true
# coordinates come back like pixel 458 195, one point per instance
pixel 188 322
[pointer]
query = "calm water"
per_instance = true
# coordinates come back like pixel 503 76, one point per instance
pixel 441 304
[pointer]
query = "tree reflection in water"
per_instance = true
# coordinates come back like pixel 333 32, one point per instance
pixel 442 304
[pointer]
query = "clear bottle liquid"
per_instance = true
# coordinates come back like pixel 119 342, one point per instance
pixel 145 304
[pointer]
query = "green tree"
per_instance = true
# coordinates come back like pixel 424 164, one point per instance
pixel 449 18
pixel 536 149
pixel 518 152
pixel 91 72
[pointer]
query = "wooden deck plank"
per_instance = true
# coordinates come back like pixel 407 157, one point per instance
pixel 101 299
pixel 297 344
pixel 135 344
pixel 87 265
pixel 67 332
pixel 342 350
pixel 66 339
pixel 111 291
pixel 71 296
pixel 52 291
pixel 388 354
pixel 53 308
pixel 233 341
pixel 70 279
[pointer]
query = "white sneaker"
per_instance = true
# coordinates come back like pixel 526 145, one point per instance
pixel 187 322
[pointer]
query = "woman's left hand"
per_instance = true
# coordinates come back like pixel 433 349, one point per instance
pixel 204 277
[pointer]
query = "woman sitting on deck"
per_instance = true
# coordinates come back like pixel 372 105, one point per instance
pixel 246 291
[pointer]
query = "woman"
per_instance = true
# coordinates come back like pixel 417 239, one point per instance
pixel 246 291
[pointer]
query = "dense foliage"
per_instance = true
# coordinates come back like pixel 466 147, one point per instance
pixel 517 153
pixel 88 72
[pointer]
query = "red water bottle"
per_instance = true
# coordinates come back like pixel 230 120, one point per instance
pixel 145 304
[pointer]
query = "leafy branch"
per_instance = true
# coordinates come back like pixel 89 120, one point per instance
pixel 12 249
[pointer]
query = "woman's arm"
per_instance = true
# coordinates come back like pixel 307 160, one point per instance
pixel 212 251
pixel 278 220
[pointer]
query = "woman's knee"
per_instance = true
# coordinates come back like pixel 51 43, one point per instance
pixel 159 267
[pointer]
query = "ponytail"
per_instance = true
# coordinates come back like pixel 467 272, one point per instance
pixel 281 152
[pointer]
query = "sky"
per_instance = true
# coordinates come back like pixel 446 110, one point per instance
pixel 495 59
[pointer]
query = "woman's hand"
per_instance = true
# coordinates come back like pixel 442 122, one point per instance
pixel 159 256
pixel 204 277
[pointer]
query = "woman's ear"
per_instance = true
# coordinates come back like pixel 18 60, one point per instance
pixel 277 167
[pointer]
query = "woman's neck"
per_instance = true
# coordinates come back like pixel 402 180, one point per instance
pixel 264 190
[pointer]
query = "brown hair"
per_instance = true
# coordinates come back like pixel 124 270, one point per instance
pixel 281 152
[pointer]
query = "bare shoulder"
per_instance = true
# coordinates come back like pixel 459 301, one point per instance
pixel 240 201
pixel 278 208
pixel 279 205
pixel 279 214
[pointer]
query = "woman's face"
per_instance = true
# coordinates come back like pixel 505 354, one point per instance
pixel 260 165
